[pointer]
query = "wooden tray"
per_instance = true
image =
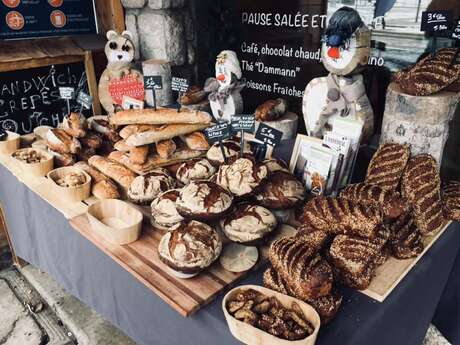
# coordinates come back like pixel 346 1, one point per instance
pixel 393 271
pixel 141 259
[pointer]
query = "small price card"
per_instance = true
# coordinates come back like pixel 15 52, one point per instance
pixel 218 133
pixel 153 82
pixel 437 22
pixel 244 123
pixel 179 84
pixel 85 100
pixel 268 135
pixel 67 92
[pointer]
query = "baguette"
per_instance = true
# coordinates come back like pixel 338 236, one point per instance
pixel 137 155
pixel 103 187
pixel 154 161
pixel 160 133
pixel 58 140
pixel 196 141
pixel 160 116
pixel 389 202
pixel 119 173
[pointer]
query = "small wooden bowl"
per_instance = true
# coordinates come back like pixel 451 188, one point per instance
pixel 71 194
pixel 36 169
pixel 11 144
pixel 251 335
pixel 115 221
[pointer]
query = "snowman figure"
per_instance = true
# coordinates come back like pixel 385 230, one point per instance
pixel 345 52
pixel 225 89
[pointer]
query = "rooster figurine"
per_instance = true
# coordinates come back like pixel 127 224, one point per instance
pixel 345 52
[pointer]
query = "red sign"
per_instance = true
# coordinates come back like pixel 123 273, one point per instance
pixel 129 85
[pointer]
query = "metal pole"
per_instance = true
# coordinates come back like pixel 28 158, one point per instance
pixel 418 10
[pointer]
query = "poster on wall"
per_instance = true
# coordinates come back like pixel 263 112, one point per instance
pixel 31 97
pixel 46 18
pixel 279 49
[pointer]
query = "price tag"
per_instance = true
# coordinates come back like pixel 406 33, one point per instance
pixel 436 22
pixel 153 82
pixel 268 135
pixel 67 92
pixel 456 32
pixel 244 123
pixel 179 84
pixel 85 100
pixel 218 132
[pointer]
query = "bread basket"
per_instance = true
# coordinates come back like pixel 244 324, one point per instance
pixel 251 335
pixel 115 221
pixel 11 144
pixel 70 194
pixel 35 169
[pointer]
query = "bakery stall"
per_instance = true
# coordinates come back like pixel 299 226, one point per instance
pixel 289 197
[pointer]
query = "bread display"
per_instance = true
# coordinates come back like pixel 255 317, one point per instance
pixel 29 156
pixel 102 186
pixel 164 210
pixel 195 169
pixel 241 176
pixel 59 141
pixel 421 186
pixel 248 223
pixel 304 270
pixel 342 216
pixel 74 125
pixel 282 190
pixel 387 166
pixel 269 315
pixel 91 139
pixel 196 141
pixel 193 95
pixel 159 116
pixel 355 258
pixel 326 306
pixel 271 110
pixel 190 247
pixel 145 188
pixel 389 202
pixel 231 149
pixel 119 173
pixel 101 125
pixel 451 200
pixel 166 148
pixel 405 239
pixel 431 74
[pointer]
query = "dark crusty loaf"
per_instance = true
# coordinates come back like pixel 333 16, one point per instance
pixel 389 202
pixel 313 237
pixel 308 275
pixel 405 239
pixel 387 166
pixel 431 74
pixel 421 186
pixel 341 216
pixel 451 200
pixel 326 306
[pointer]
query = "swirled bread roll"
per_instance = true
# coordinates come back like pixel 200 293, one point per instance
pixel 451 200
pixel 421 186
pixel 387 166
pixel 405 239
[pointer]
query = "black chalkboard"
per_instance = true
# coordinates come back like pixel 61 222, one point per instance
pixel 30 97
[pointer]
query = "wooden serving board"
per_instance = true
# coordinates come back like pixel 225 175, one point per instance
pixel 393 271
pixel 141 259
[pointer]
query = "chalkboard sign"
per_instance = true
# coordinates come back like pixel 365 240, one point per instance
pixel 31 97
pixel 244 123
pixel 436 22
pixel 268 135
pixel 456 32
pixel 179 84
pixel 218 132
pixel 153 82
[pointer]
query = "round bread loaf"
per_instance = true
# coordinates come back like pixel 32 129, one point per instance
pixel 248 223
pixel 164 210
pixel 203 200
pixel 242 175
pixel 281 191
pixel 231 149
pixel 190 247
pixel 195 169
pixel 145 188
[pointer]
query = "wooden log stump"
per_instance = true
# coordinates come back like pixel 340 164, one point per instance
pixel 161 68
pixel 421 121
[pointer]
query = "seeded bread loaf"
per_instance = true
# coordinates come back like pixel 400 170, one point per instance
pixel 451 200
pixel 405 239
pixel 387 166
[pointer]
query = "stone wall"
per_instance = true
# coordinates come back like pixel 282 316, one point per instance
pixel 164 29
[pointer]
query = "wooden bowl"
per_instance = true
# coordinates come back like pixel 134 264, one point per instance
pixel 11 144
pixel 115 221
pixel 35 169
pixel 71 194
pixel 251 335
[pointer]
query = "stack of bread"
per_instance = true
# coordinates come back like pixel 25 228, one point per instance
pixel 343 240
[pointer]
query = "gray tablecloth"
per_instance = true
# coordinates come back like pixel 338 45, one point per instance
pixel 43 237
